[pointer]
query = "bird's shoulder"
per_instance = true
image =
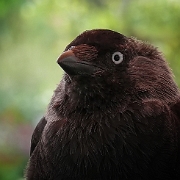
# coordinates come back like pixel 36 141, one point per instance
pixel 149 107
pixel 176 108
pixel 36 136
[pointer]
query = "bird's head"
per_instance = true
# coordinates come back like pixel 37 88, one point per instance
pixel 104 60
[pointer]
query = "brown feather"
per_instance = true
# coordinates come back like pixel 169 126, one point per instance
pixel 121 122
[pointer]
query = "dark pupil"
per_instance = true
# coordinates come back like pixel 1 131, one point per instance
pixel 116 57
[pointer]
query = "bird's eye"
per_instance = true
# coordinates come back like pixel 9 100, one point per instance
pixel 117 57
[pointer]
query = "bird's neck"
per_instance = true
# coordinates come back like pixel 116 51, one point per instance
pixel 71 102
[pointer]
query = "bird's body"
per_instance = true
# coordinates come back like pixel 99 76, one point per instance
pixel 114 115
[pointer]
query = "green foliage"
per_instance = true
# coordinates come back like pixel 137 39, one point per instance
pixel 34 33
pixel 12 167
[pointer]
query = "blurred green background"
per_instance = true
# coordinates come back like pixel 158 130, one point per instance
pixel 33 33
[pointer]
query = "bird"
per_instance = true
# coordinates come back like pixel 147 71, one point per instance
pixel 115 114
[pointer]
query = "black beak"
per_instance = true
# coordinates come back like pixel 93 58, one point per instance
pixel 73 66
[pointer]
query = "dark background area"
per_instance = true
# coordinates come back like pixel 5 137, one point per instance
pixel 33 33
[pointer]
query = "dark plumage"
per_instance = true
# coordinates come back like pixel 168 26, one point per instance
pixel 114 116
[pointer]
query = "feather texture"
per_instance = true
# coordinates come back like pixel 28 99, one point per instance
pixel 121 122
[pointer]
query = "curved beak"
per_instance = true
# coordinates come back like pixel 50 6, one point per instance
pixel 73 66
